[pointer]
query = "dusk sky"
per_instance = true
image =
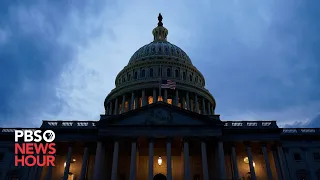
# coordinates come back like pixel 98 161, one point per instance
pixel 260 58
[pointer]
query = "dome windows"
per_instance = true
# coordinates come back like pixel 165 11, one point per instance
pixel 184 76
pixel 143 73
pixel 151 72
pixel 160 72
pixel 176 73
pixel 136 75
pixel 168 72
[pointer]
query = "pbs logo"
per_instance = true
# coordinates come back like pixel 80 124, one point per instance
pixel 34 136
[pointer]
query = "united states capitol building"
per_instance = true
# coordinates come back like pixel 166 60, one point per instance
pixel 152 130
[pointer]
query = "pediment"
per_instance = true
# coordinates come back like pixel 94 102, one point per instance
pixel 160 114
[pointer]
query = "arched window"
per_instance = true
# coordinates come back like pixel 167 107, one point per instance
pixel 143 73
pixel 176 73
pixel 190 77
pixel 129 77
pixel 168 72
pixel 136 75
pixel 184 76
pixel 151 72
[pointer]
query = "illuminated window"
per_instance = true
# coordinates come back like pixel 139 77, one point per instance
pixel 126 106
pixel 179 105
pixel 140 102
pixel 160 98
pixel 120 109
pixel 169 101
pixel 150 100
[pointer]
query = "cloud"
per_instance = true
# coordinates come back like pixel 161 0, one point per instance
pixel 59 59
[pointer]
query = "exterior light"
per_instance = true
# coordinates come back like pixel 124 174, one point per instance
pixel 246 160
pixel 64 164
pixel 159 161
pixel 73 160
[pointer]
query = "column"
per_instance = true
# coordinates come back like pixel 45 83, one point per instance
pixel 204 161
pixel 208 111
pixel 196 102
pixel 307 160
pixel 212 110
pixel 132 101
pixel 107 110
pixel 123 103
pixel 283 163
pixel 136 102
pixel 8 161
pixel 288 156
pixel 165 99
pixel 169 170
pixel 222 165
pixel 276 162
pixel 98 161
pixel 84 164
pixel 110 108
pixel 186 160
pixel 188 100
pixel 177 97
pixel 266 159
pixel 252 172
pixel 68 161
pixel 150 173
pixel 115 161
pixel 203 106
pixel 234 163
pixel 116 107
pixel 154 93
pixel 133 160
pixel 49 172
pixel 143 98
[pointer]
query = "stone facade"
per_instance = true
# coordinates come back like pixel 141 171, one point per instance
pixel 148 132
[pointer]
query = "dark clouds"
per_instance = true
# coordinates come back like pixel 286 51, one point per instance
pixel 258 57
pixel 266 64
pixel 32 57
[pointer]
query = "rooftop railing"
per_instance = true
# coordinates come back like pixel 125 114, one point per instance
pixel 69 124
pixel 250 124
pixel 227 124
pixel 300 131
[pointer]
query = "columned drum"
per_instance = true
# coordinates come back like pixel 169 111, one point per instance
pixel 141 82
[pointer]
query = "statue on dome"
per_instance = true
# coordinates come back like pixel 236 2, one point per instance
pixel 160 20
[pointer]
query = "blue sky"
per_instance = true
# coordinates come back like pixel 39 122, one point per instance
pixel 59 59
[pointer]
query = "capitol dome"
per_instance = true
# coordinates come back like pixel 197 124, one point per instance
pixel 139 83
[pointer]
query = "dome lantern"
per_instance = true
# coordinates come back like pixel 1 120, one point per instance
pixel 160 33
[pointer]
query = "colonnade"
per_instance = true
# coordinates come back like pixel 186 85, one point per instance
pixel 278 156
pixel 181 98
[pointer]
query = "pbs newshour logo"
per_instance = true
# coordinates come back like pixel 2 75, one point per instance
pixel 34 147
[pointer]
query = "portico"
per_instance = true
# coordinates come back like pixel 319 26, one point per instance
pixel 189 145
